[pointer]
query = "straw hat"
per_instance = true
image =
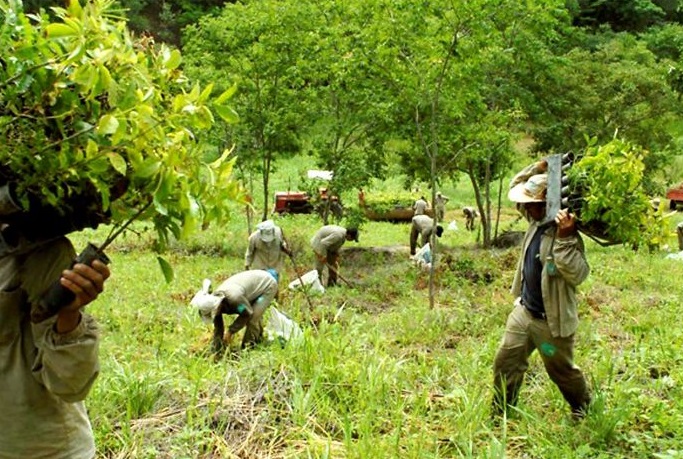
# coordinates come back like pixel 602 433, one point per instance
pixel 533 190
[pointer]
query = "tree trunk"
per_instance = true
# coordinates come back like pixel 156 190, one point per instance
pixel 266 179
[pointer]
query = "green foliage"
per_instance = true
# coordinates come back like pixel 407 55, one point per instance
pixel 615 207
pixel 259 47
pixel 382 202
pixel 87 111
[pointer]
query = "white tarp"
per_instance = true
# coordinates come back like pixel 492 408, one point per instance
pixel 323 175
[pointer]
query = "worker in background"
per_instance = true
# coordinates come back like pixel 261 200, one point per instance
pixel 266 248
pixel 440 206
pixel 420 206
pixel 423 226
pixel 326 244
pixel 471 214
pixel 246 294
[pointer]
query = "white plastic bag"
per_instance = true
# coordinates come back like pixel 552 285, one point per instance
pixel 279 326
pixel 310 280
pixel 424 255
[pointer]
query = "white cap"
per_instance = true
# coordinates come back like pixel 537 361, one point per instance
pixel 266 230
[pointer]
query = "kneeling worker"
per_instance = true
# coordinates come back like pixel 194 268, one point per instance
pixel 246 294
pixel 422 226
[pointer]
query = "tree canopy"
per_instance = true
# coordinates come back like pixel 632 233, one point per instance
pixel 95 121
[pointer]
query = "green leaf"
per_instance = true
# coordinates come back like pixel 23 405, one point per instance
pixel 172 60
pixel 226 113
pixel 167 269
pixel 75 8
pixel 227 94
pixel 148 169
pixel 60 31
pixel 108 125
pixel 118 163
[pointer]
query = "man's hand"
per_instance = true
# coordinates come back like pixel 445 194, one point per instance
pixel 321 259
pixel 566 223
pixel 541 166
pixel 86 282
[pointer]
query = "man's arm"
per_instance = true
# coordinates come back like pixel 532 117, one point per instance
pixel 242 307
pixel 86 282
pixel 568 253
pixel 67 359
pixel 218 332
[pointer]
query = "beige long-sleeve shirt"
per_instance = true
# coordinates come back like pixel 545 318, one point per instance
pixel 558 291
pixel 44 375
pixel 264 255
pixel 243 289
pixel 420 207
pixel 328 239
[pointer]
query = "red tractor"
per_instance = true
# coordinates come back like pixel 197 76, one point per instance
pixel 292 202
pixel 675 196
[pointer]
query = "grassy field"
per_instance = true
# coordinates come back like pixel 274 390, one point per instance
pixel 378 374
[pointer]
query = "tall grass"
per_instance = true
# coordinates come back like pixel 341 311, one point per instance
pixel 378 373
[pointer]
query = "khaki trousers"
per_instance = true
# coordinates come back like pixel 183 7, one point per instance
pixel 332 260
pixel 253 332
pixel 523 335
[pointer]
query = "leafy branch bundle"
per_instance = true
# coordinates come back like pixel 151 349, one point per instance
pixel 608 197
pixel 383 202
pixel 98 127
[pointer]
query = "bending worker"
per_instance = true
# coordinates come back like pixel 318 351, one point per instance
pixel 246 294
pixel 326 244
pixel 422 226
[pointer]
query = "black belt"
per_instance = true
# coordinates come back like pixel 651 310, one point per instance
pixel 535 314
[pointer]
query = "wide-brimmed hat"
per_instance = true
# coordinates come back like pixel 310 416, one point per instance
pixel 533 190
pixel 266 230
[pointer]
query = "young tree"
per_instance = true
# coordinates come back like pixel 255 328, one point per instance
pixel 349 100
pixel 263 48
pixel 456 100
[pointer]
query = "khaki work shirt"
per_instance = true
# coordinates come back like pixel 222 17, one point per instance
pixel 264 255
pixel 328 239
pixel 424 225
pixel 245 288
pixel 45 376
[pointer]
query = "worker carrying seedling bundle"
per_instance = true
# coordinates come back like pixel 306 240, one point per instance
pixel 551 265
